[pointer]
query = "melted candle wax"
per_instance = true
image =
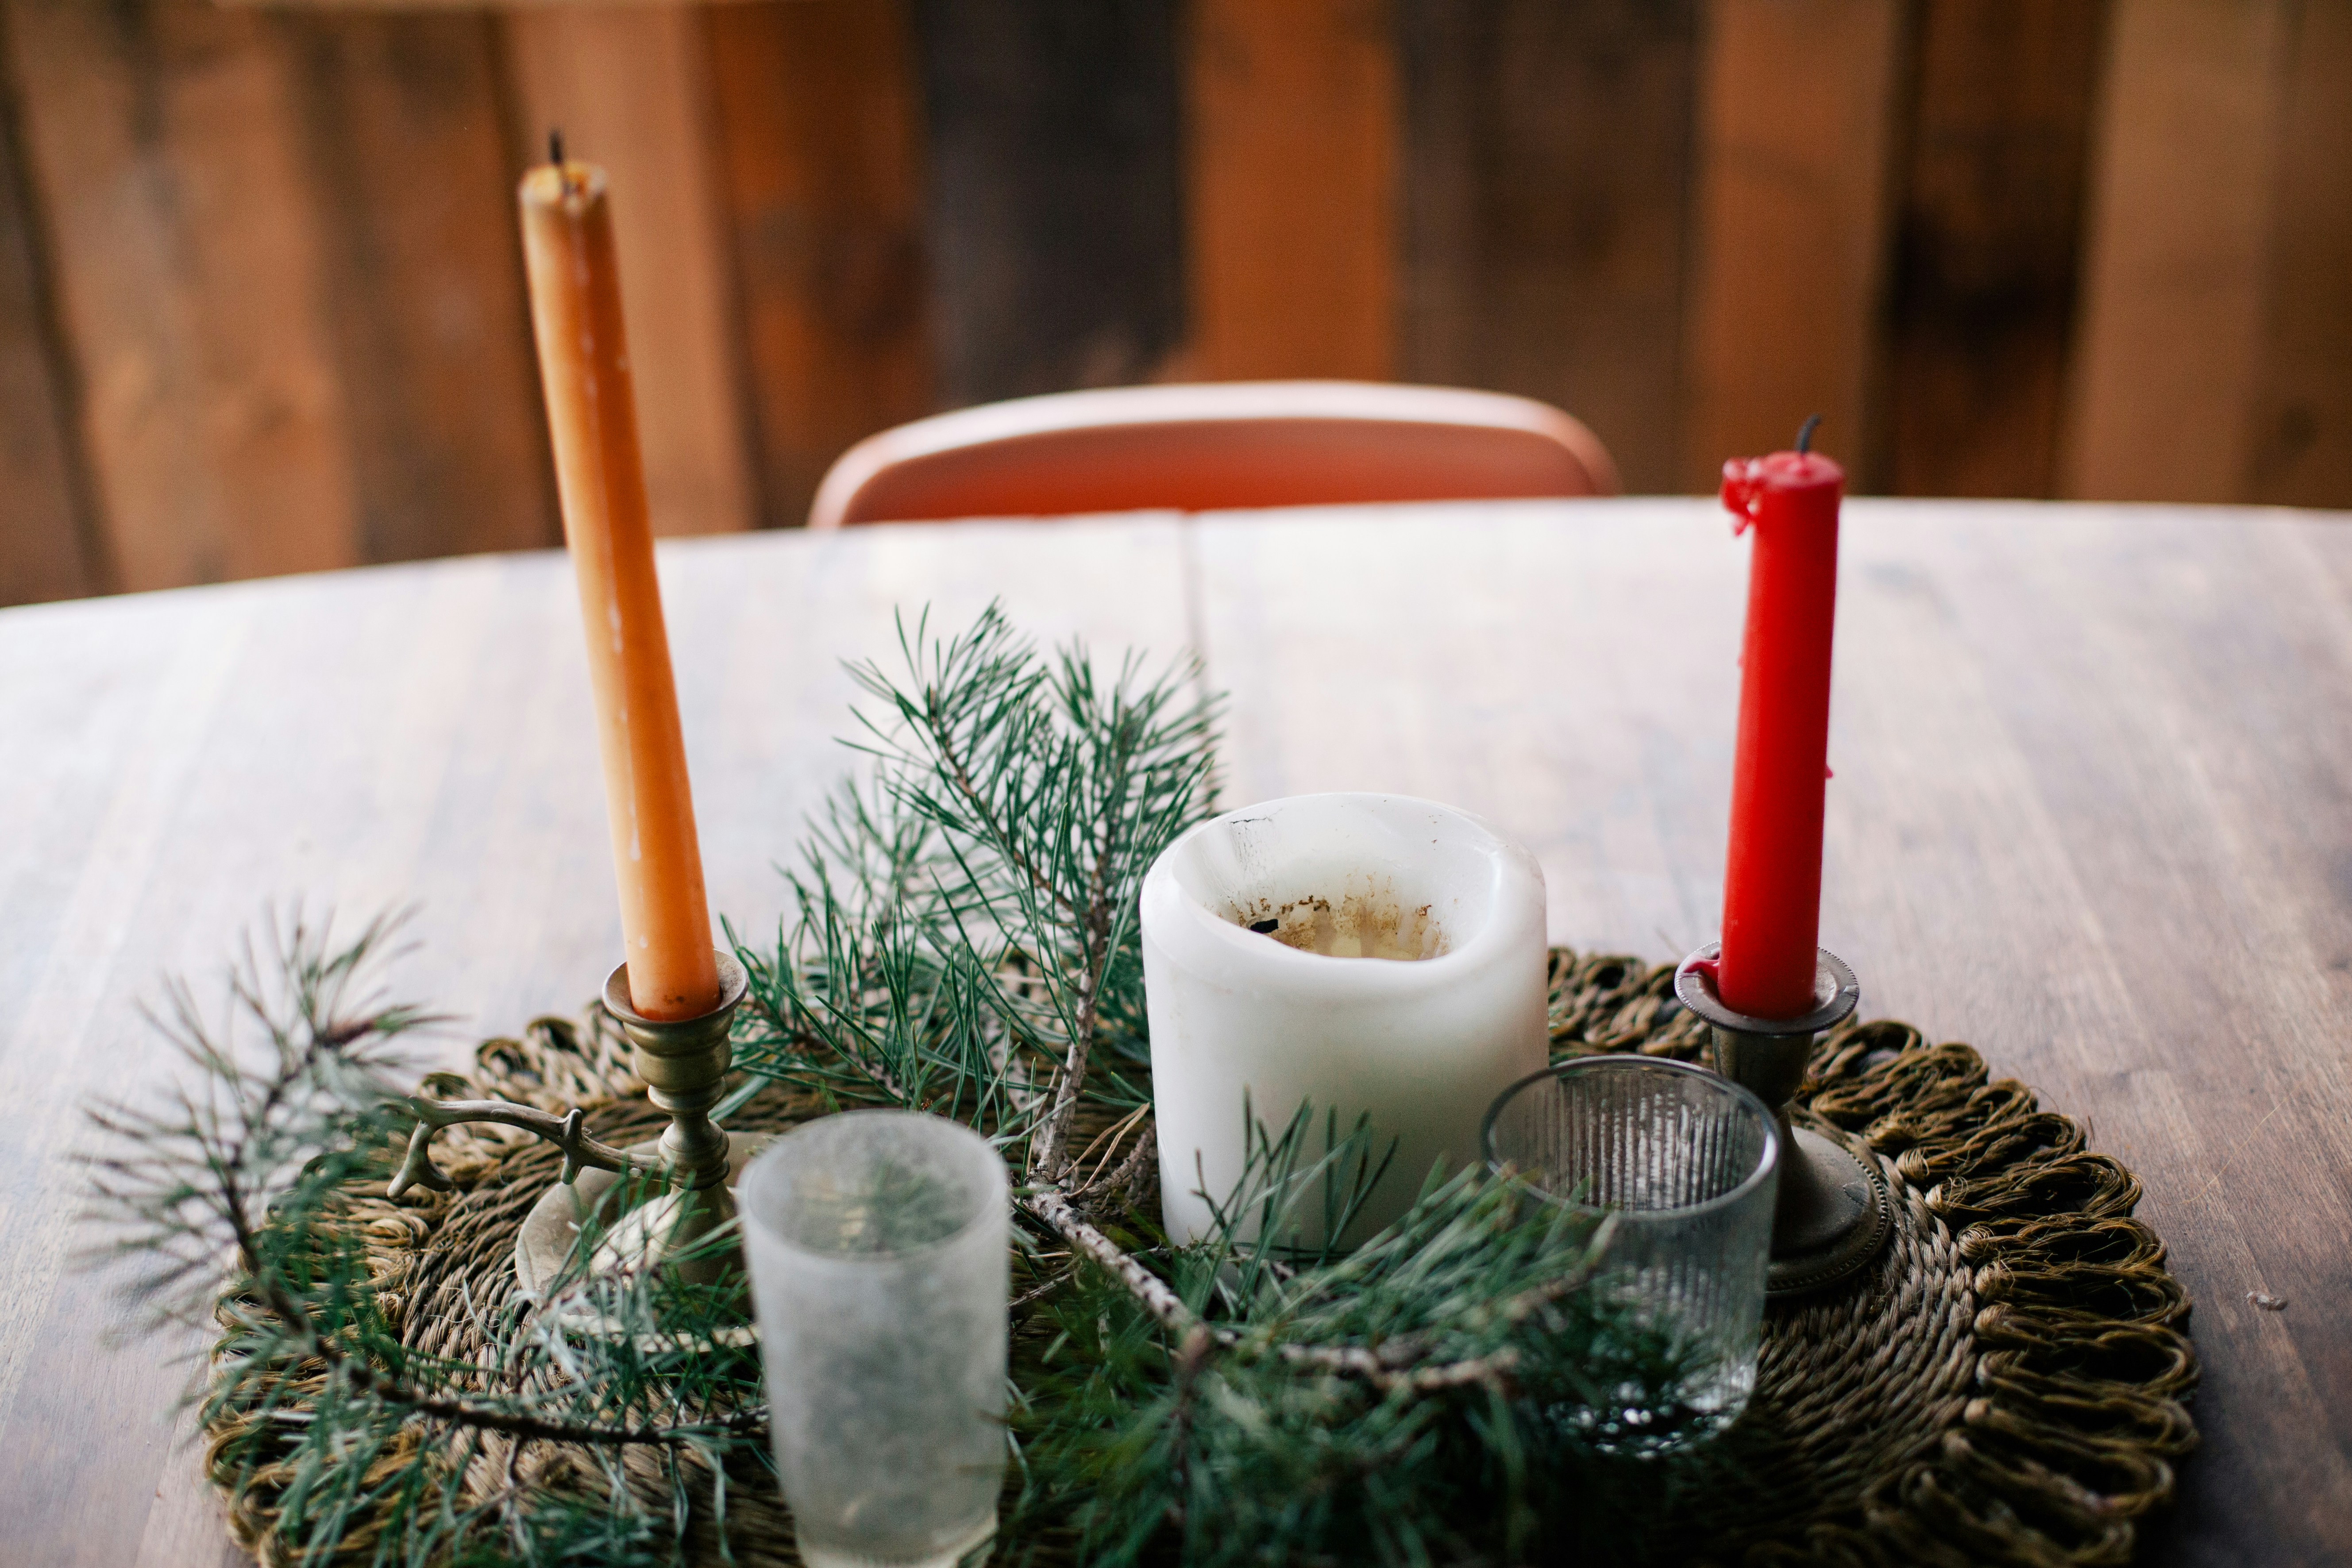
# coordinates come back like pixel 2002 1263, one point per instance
pixel 1356 927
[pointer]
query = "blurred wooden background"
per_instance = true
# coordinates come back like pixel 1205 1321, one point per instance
pixel 261 306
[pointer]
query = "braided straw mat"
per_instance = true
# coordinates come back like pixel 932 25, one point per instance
pixel 2004 1386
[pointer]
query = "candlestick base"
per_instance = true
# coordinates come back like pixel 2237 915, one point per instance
pixel 684 1063
pixel 1832 1214
pixel 631 1238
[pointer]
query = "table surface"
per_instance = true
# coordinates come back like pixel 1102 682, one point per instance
pixel 2092 813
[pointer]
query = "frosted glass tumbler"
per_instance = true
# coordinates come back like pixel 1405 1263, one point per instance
pixel 1688 1163
pixel 878 1246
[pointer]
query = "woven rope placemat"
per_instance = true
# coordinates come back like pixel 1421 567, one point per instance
pixel 2005 1385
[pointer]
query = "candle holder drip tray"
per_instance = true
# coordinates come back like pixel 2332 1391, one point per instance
pixel 2003 1382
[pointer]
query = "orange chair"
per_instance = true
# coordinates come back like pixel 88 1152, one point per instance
pixel 1228 444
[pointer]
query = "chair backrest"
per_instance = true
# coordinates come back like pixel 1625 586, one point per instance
pixel 1226 444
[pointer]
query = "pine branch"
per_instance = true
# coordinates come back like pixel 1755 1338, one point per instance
pixel 959 773
pixel 1399 1363
pixel 304 1058
pixel 253 1164
pixel 294 1318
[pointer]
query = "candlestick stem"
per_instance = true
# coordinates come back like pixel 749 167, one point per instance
pixel 684 1063
pixel 1832 1213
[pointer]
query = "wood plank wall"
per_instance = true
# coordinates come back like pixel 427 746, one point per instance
pixel 1291 166
pixel 1987 247
pixel 1797 125
pixel 631 89
pixel 260 308
pixel 1054 137
pixel 821 125
pixel 1549 157
pixel 50 547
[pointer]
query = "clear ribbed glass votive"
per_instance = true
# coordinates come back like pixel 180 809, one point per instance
pixel 1686 1163
pixel 877 1247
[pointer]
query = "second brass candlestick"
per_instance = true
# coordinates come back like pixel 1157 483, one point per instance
pixel 1833 1214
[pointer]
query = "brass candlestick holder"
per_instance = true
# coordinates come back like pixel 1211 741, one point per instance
pixel 695 1161
pixel 1833 1213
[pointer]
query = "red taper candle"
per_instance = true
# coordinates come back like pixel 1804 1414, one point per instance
pixel 1772 875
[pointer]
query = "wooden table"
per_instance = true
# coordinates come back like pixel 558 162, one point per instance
pixel 2093 812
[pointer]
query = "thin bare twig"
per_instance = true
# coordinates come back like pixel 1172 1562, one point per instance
pixel 1145 1147
pixel 1048 1155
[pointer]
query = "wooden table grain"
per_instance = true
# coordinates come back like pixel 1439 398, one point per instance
pixel 2092 813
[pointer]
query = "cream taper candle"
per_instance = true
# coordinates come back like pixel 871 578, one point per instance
pixel 1363 955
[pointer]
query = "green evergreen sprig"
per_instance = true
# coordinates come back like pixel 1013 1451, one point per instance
pixel 962 940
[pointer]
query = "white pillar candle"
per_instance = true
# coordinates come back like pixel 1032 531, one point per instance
pixel 1364 954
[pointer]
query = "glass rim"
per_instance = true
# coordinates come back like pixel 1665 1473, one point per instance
pixel 1767 1164
pixel 1002 1185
